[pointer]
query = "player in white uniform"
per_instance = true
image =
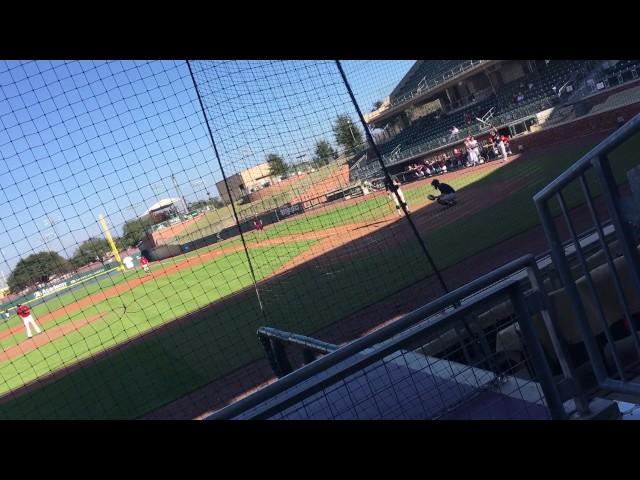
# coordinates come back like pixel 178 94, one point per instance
pixel 393 187
pixel 474 150
pixel 502 147
pixel 500 143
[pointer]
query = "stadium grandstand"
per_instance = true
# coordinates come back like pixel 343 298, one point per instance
pixel 474 96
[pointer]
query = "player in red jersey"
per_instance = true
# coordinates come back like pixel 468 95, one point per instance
pixel 24 312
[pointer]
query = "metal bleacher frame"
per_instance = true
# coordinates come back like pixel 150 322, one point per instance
pixel 597 161
pixel 435 316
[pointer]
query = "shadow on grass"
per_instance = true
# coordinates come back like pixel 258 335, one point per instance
pixel 175 359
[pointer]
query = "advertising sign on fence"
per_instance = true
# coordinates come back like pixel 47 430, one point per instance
pixel 287 211
pixel 68 282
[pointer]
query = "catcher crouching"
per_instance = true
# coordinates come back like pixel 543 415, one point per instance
pixel 447 195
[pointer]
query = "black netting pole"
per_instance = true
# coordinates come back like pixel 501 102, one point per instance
pixel 388 178
pixel 226 184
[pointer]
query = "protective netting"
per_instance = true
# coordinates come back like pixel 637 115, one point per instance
pixel 253 196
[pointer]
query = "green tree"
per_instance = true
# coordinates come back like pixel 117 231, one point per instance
pixel 133 232
pixel 217 202
pixel 324 153
pixel 377 104
pixel 348 136
pixel 277 166
pixel 89 251
pixel 36 268
pixel 198 204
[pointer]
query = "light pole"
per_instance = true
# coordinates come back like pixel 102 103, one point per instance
pixel 195 184
pixel 45 240
pixel 157 190
pixel 51 221
pixel 184 202
pixel 351 131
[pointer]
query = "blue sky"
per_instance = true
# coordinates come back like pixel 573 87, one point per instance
pixel 82 138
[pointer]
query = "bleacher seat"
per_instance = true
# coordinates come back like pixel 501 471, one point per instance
pixel 508 339
pixel 623 65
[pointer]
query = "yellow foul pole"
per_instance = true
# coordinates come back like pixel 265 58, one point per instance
pixel 112 244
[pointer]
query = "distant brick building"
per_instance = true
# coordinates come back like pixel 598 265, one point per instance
pixel 243 182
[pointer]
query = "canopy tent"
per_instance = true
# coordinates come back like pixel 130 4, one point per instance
pixel 162 204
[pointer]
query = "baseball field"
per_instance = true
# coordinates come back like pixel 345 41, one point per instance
pixel 132 343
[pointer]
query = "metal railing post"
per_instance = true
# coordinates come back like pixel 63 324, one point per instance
pixel 558 343
pixel 268 350
pixel 540 365
pixel 560 262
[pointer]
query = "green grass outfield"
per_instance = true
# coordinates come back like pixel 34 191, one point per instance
pixel 64 297
pixel 170 364
pixel 141 309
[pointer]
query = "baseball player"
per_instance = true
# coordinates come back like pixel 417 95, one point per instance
pixel 24 312
pixel 500 141
pixel 145 264
pixel 392 187
pixel 447 195
pixel 257 223
pixel 503 147
pixel 474 150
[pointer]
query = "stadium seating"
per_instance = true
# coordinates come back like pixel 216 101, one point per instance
pixel 622 66
pixel 508 339
pixel 623 71
pixel 429 70
pixel 431 129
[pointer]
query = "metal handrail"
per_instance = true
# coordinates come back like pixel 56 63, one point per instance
pixel 365 359
pixel 605 147
pixel 274 341
pixel 295 339
pixel 447 303
pixel 597 160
